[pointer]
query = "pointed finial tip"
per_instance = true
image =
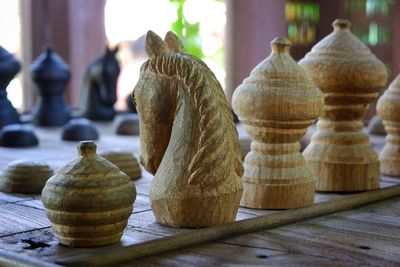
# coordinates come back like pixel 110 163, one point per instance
pixel 341 24
pixel 87 148
pixel 280 44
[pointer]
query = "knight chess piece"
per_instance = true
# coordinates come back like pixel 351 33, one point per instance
pixel 51 75
pixel 25 176
pixel 89 200
pixel 99 89
pixel 340 154
pixel 388 108
pixel 276 104
pixel 191 144
pixel 9 67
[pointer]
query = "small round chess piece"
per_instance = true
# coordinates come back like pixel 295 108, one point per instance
pixel 89 200
pixel 9 67
pixel 340 154
pixel 127 124
pixel 79 129
pixel 125 161
pixel 18 135
pixel 388 108
pixel 25 176
pixel 276 104
pixel 51 75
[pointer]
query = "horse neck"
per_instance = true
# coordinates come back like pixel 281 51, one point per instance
pixel 182 144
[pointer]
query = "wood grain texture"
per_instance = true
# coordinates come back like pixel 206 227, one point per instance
pixel 340 154
pixel 89 200
pixel 388 108
pixel 277 103
pixel 187 137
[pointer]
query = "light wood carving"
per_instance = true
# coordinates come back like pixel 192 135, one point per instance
pixel 125 161
pixel 187 138
pixel 388 108
pixel 277 103
pixel 25 176
pixel 89 200
pixel 340 154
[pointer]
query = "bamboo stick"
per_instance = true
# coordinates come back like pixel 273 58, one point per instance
pixel 113 255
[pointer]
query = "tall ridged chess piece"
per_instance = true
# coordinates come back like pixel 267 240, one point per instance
pixel 388 108
pixel 51 75
pixel 340 154
pixel 9 67
pixel 277 103
pixel 99 90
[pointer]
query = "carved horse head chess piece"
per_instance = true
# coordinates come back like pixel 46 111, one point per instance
pixel 99 90
pixel 188 138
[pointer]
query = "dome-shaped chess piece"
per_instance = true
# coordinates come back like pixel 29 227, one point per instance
pixel 340 154
pixel 277 103
pixel 89 200
pixel 9 67
pixel 51 75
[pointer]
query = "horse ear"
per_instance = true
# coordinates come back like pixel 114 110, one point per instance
pixel 115 50
pixel 173 42
pixel 154 45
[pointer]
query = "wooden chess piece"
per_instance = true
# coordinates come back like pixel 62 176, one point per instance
pixel 388 108
pixel 127 124
pixel 376 126
pixel 89 200
pixel 125 161
pixel 340 154
pixel 25 177
pixel 18 135
pixel 9 67
pixel 276 104
pixel 79 129
pixel 188 138
pixel 99 90
pixel 51 75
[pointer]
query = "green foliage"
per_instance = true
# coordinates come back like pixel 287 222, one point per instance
pixel 187 32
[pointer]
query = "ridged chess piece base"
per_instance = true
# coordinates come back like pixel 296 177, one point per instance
pixel 341 158
pixel 276 177
pixel 179 212
pixel 390 159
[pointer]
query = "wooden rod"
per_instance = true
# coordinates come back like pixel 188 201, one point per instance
pixel 109 256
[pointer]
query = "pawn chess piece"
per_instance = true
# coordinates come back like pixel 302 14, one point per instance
pixel 125 161
pixel 388 108
pixel 340 154
pixel 18 135
pixel 277 103
pixel 89 200
pixel 127 124
pixel 9 67
pixel 79 129
pixel 25 177
pixel 51 74
pixel 99 90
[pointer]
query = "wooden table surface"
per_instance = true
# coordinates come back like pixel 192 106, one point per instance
pixel 366 236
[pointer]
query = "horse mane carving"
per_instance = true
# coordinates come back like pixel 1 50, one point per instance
pixel 212 159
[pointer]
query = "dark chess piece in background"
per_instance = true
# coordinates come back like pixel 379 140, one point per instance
pixel 99 87
pixel 18 135
pixel 129 103
pixel 51 75
pixel 9 67
pixel 79 129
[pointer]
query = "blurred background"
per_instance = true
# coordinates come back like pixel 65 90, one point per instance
pixel 231 36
